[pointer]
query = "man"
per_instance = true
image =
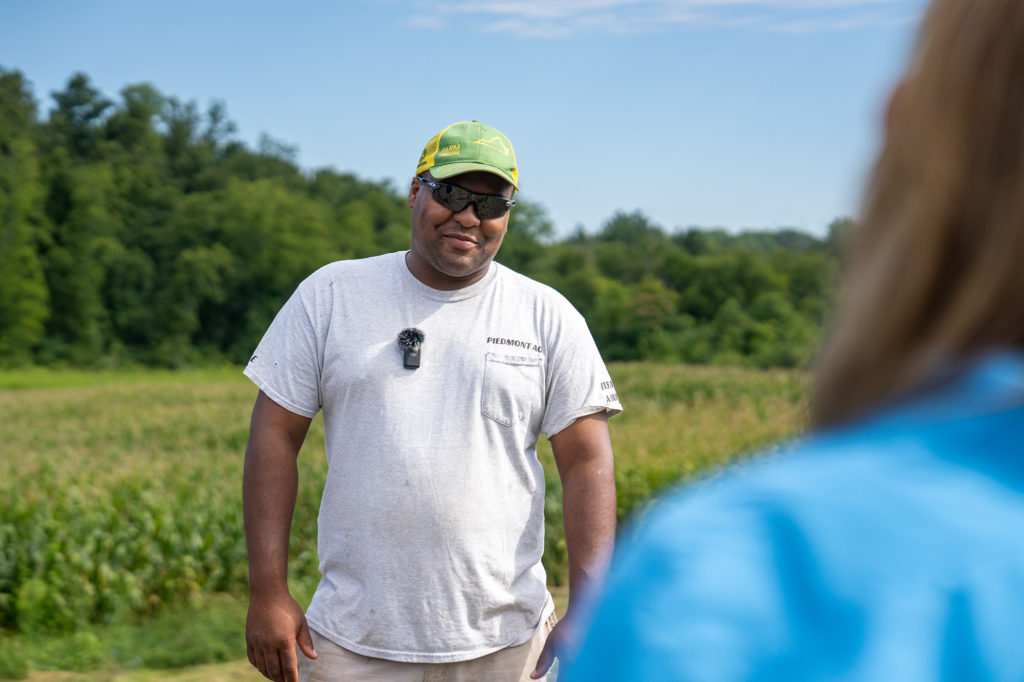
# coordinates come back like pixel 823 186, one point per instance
pixel 436 370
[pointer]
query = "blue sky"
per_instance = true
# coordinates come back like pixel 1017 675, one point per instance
pixel 743 114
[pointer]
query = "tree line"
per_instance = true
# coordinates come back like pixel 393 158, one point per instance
pixel 142 231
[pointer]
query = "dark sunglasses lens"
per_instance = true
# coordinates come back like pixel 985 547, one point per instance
pixel 451 197
pixel 488 207
pixel 455 199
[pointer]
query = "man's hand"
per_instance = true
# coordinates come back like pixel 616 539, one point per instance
pixel 560 639
pixel 272 628
pixel 275 621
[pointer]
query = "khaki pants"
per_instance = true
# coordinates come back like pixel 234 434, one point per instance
pixel 337 664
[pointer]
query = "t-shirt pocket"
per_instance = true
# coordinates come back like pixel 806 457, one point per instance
pixel 513 387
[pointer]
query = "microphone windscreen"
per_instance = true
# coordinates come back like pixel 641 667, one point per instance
pixel 410 339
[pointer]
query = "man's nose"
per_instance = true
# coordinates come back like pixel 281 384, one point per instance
pixel 467 217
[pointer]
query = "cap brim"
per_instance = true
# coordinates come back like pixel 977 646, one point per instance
pixel 451 169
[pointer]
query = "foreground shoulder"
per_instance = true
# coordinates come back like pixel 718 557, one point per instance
pixel 534 290
pixel 344 271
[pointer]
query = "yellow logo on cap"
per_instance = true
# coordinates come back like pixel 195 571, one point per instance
pixel 495 143
pixel 450 150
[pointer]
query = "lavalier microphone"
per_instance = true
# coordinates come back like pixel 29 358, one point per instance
pixel 411 342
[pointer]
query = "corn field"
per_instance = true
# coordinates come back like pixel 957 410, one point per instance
pixel 120 493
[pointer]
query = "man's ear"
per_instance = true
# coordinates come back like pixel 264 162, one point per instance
pixel 414 189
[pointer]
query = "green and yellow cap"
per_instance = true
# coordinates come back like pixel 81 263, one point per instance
pixel 469 146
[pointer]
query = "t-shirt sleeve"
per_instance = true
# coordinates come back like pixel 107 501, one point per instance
pixel 287 363
pixel 578 382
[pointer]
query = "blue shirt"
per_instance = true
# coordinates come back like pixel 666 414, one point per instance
pixel 891 549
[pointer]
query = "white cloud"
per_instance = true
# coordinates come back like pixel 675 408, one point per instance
pixel 844 22
pixel 424 21
pixel 563 18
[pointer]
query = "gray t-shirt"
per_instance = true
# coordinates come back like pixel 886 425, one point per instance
pixel 431 525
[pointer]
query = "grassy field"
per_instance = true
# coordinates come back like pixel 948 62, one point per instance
pixel 121 545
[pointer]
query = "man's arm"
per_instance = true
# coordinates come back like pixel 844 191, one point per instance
pixel 583 453
pixel 269 487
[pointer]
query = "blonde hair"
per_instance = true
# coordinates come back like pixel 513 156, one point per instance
pixel 936 274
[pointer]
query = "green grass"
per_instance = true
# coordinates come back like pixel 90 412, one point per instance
pixel 683 421
pixel 680 422
pixel 36 378
pixel 177 637
pixel 120 520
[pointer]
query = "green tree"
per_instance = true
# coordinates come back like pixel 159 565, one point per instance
pixel 568 267
pixel 354 234
pixel 241 253
pixel 76 123
pixel 196 152
pixel 529 232
pixel 629 247
pixel 783 337
pixel 75 263
pixel 651 321
pixel 23 292
pixel 715 279
pixel 140 229
pixel 380 208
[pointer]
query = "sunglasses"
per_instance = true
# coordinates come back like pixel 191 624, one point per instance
pixel 488 206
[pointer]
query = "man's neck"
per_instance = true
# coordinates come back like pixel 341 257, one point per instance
pixel 439 280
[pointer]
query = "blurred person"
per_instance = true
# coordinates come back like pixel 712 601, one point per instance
pixel 436 370
pixel 887 544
